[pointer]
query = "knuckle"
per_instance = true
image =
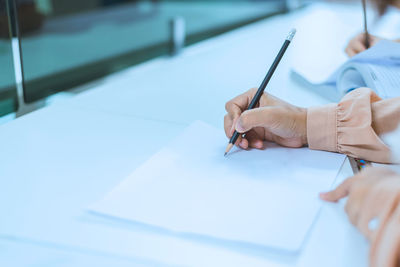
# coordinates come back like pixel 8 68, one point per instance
pixel 334 195
pixel 252 91
pixel 227 105
pixel 226 120
pixel 267 99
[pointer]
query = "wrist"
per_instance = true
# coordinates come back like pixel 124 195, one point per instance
pixel 321 128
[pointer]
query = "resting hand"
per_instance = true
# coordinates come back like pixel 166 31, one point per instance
pixel 357 44
pixel 371 193
pixel 273 120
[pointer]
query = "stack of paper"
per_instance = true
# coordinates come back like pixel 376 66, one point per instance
pixel 319 61
pixel 377 68
pixel 265 197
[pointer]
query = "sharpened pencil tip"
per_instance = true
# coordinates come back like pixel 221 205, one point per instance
pixel 228 148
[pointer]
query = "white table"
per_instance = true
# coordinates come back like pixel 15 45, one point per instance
pixel 58 160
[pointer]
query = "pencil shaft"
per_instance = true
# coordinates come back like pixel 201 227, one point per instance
pixel 263 85
pixel 269 75
pixel 364 4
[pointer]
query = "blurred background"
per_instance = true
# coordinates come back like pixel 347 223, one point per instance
pixel 67 43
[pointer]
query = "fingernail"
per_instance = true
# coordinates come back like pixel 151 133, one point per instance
pixel 259 144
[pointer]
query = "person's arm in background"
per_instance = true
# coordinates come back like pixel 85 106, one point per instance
pixel 357 44
pixel 351 127
pixel 374 195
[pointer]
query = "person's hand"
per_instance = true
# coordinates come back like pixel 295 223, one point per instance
pixel 273 120
pixel 372 193
pixel 357 44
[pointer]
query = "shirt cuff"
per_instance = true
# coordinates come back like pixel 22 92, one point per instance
pixel 322 128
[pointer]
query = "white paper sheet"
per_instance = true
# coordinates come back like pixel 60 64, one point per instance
pixel 319 47
pixel 267 197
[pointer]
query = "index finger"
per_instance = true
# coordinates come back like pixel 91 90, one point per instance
pixel 236 106
pixel 340 192
pixel 229 130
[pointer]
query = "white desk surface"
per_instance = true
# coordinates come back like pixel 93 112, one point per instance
pixel 58 160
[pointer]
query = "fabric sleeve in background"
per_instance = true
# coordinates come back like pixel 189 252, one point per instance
pixel 354 126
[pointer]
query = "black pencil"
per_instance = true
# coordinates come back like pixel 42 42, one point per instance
pixel 264 84
pixel 367 44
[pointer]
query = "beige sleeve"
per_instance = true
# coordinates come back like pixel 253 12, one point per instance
pixel 353 126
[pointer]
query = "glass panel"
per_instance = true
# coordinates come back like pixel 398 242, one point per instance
pixel 69 42
pixel 7 78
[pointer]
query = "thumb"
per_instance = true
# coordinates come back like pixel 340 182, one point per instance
pixel 258 117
